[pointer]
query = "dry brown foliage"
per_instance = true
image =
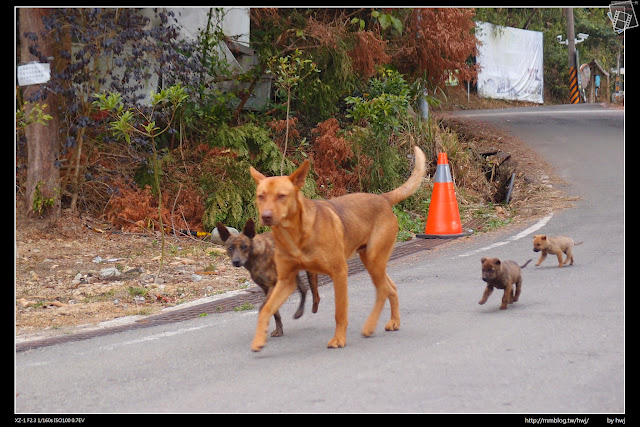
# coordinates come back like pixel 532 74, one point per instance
pixel 368 52
pixel 279 128
pixel 135 209
pixel 333 161
pixel 438 40
pixel 328 34
pixel 132 209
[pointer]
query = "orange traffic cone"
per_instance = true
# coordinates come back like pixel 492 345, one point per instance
pixel 443 219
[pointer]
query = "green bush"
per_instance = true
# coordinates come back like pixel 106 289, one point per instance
pixel 383 109
pixel 226 180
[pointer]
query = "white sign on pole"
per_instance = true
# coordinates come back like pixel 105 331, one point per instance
pixel 33 73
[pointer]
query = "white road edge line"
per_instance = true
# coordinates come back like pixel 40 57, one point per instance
pixel 554 112
pixel 161 335
pixel 538 225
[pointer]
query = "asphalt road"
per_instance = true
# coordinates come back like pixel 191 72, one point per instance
pixel 559 350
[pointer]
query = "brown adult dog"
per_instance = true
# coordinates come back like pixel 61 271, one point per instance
pixel 320 235
pixel 502 275
pixel 255 253
pixel 554 245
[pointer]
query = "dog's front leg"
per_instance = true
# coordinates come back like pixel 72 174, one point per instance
pixel 342 304
pixel 506 297
pixel 303 295
pixel 284 287
pixel 542 257
pixel 313 285
pixel 278 331
pixel 487 291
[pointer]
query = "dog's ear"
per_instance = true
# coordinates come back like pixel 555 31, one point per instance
pixel 483 259
pixel 223 232
pixel 497 262
pixel 249 229
pixel 257 176
pixel 543 237
pixel 299 175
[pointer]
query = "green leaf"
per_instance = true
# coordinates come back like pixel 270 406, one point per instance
pixel 384 21
pixel 397 24
pixel 151 128
pixel 109 102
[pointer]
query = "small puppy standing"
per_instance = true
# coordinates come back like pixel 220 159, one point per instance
pixel 502 275
pixel 255 253
pixel 554 245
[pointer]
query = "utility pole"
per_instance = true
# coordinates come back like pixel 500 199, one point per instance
pixel 574 94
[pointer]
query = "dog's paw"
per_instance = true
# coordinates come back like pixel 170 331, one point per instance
pixel 392 325
pixel 298 314
pixel 337 342
pixel 277 333
pixel 258 342
pixel 368 329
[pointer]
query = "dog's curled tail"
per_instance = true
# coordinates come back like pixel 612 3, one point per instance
pixel 414 181
pixel 525 264
pixel 577 243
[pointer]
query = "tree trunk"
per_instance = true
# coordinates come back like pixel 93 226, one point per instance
pixel 42 139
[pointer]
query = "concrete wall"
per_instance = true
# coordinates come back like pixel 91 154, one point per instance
pixel 193 20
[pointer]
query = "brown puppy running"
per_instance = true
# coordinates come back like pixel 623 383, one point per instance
pixel 502 275
pixel 554 245
pixel 255 253
pixel 320 235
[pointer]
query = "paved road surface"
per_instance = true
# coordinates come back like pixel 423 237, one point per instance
pixel 559 350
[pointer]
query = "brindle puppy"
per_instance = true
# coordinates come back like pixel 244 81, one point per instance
pixel 502 275
pixel 255 253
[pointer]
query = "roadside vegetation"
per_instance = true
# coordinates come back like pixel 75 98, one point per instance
pixel 102 166
pixel 347 85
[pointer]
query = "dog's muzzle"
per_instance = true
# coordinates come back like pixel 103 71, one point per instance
pixel 536 250
pixel 267 218
pixel 236 263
